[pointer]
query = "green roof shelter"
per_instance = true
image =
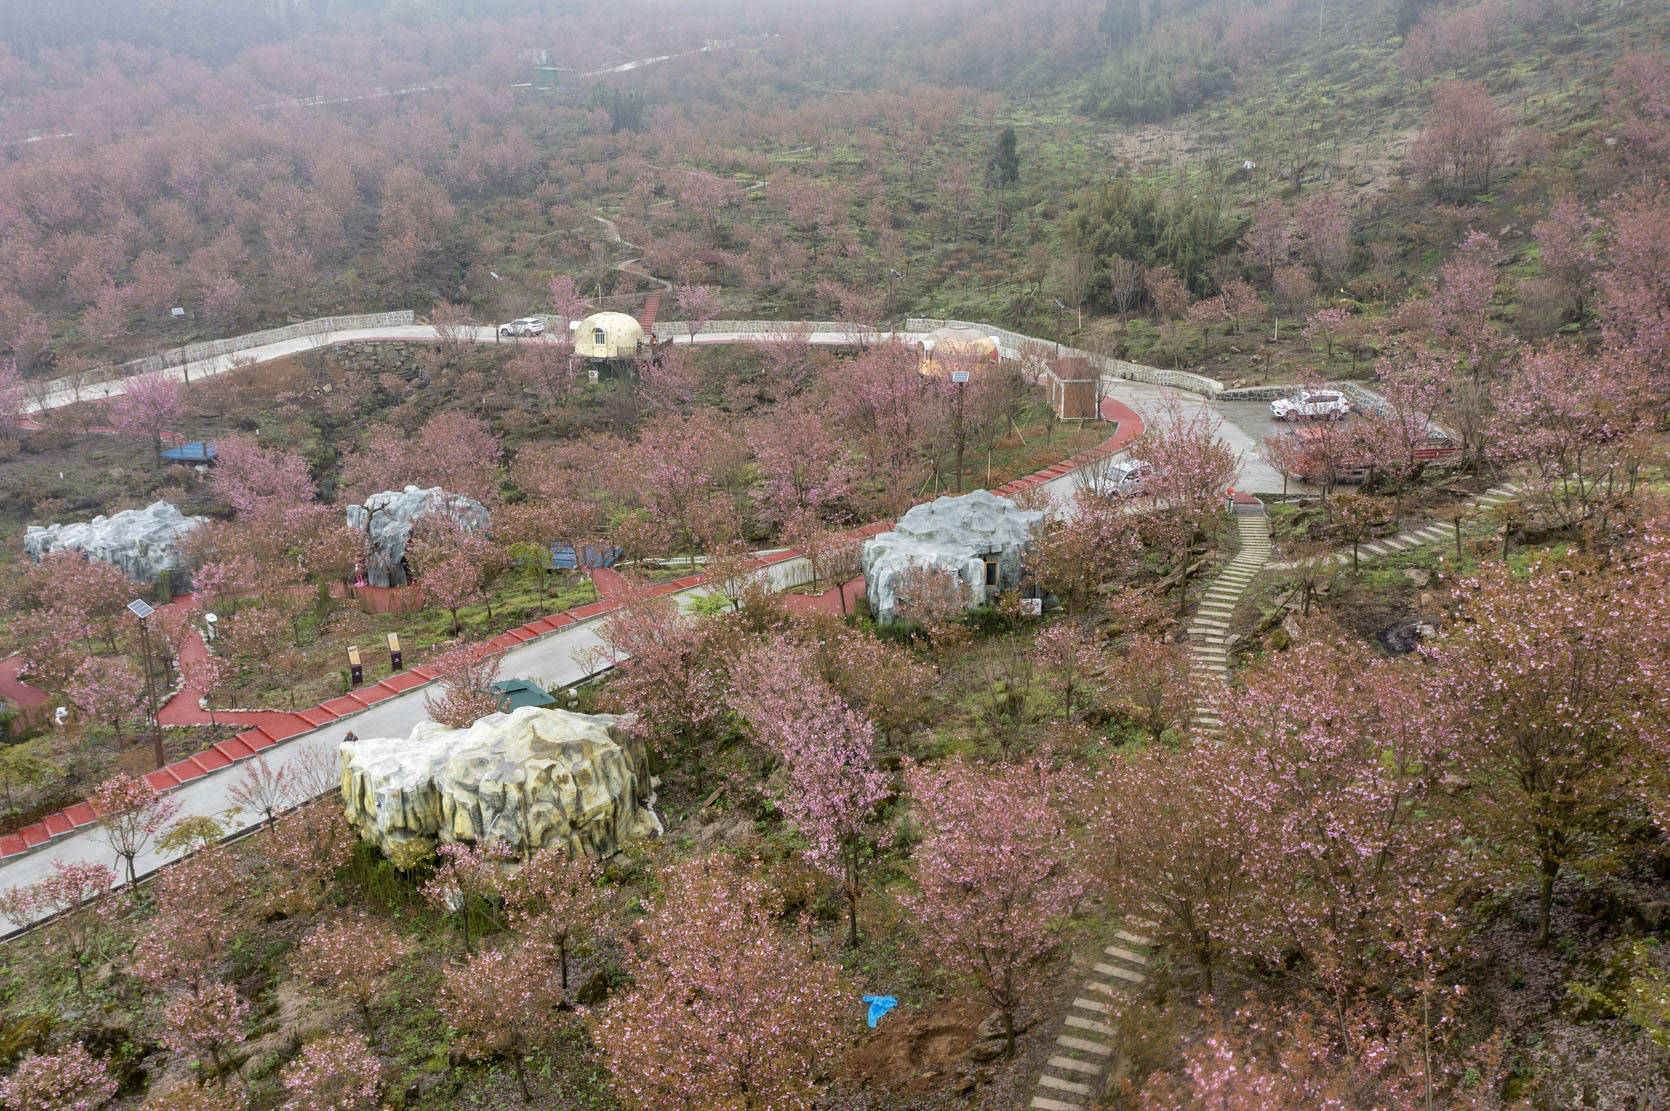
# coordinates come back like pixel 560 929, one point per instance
pixel 516 693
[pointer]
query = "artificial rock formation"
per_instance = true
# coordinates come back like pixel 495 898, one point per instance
pixel 142 542
pixel 387 518
pixel 531 778
pixel 956 534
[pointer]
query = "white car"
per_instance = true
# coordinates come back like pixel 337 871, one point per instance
pixel 1125 478
pixel 527 326
pixel 1311 405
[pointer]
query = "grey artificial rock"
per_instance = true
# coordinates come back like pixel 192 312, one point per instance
pixel 532 778
pixel 142 542
pixel 957 534
pixel 391 514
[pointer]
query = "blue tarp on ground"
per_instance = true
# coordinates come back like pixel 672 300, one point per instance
pixel 591 555
pixel 198 451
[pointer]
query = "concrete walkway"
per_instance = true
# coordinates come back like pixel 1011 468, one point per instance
pixel 1076 1074
pixel 1209 631
pixel 1433 532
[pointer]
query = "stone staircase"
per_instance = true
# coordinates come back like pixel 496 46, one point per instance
pixel 1209 631
pixel 1077 1071
pixel 1437 532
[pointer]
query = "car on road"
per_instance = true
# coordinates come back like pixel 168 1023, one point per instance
pixel 1311 405
pixel 526 326
pixel 1125 478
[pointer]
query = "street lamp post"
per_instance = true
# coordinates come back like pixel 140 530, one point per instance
pixel 959 378
pixel 142 610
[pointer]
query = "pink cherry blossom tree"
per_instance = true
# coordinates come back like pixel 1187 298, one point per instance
pixel 70 1080
pixel 834 785
pixel 1192 468
pixel 337 1072
pixel 349 959
pixel 1329 761
pixel 75 902
pixel 1324 224
pixel 130 813
pixel 107 689
pixel 251 477
pixel 149 405
pixel 453 583
pixel 464 686
pixel 465 875
pixel 312 843
pixel 1465 141
pixel 993 886
pixel 555 903
pixel 1151 685
pixel 697 304
pixel 1269 238
pixel 566 301
pixel 1553 703
pixel 195 922
pixel 724 1011
pixel 670 676
pixel 1572 418
pixel 209 1019
pixel 11 394
pixel 501 1002
pixel 1133 816
pixel 802 461
pixel 262 789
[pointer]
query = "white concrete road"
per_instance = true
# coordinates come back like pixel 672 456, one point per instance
pixel 1242 426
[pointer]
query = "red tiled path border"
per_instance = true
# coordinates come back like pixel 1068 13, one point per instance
pixel 274 726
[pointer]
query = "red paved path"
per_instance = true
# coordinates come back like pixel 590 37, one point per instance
pixel 272 726
pixel 609 582
pixel 16 690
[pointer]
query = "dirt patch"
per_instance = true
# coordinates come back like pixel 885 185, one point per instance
pixel 912 1052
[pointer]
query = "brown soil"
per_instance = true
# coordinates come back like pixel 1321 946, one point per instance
pixel 912 1052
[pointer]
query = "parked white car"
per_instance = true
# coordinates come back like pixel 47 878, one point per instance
pixel 526 326
pixel 1124 478
pixel 1311 405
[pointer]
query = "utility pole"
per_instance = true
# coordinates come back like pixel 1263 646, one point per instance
pixel 959 378
pixel 142 610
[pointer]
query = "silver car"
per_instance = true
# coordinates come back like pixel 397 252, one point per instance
pixel 526 326
pixel 1311 405
pixel 1125 478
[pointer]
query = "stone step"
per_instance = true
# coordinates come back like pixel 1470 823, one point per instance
pixel 1069 1064
pixel 1042 1103
pixel 1120 973
pixel 1084 1045
pixel 1137 939
pixel 1097 985
pixel 1125 955
pixel 1092 1006
pixel 1079 1023
pixel 1370 550
pixel 1077 1087
pixel 1396 543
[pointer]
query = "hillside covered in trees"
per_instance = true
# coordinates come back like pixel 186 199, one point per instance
pixel 1311 763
